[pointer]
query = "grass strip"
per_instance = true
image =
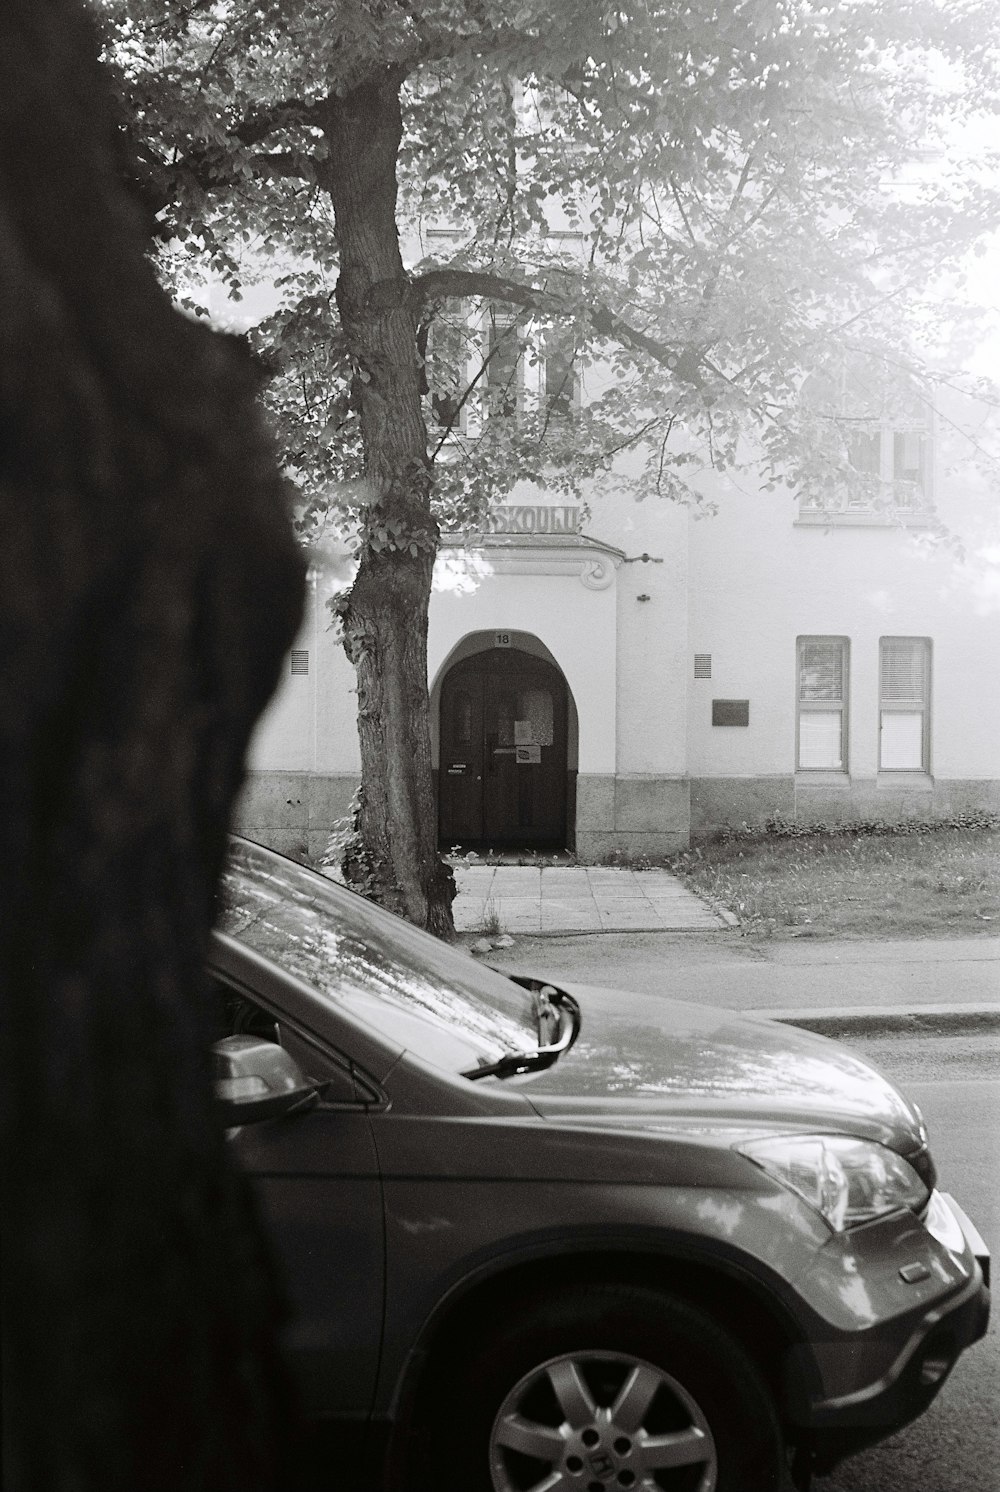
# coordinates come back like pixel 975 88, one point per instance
pixel 925 881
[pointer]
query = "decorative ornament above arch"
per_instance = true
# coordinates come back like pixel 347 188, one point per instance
pixel 594 564
pixel 597 574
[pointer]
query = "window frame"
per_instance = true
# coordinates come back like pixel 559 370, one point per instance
pixel 879 435
pixel 460 425
pixel 511 324
pixel 562 403
pixel 827 706
pixel 908 706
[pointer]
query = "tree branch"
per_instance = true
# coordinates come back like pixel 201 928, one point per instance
pixel 680 208
pixel 286 164
pixel 260 123
pixel 206 164
pixel 442 284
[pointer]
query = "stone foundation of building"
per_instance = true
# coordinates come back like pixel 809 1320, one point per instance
pixel 294 812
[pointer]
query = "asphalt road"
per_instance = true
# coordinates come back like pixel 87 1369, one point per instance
pixel 955 1446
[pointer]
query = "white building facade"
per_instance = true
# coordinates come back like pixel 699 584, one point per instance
pixel 645 676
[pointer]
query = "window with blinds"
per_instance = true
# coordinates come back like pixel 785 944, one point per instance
pixel 821 715
pixel 904 704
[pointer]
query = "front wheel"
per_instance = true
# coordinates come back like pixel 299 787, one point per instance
pixel 601 1389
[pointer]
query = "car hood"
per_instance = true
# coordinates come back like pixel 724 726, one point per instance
pixel 645 1061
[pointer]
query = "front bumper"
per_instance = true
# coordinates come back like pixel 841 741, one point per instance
pixel 934 1341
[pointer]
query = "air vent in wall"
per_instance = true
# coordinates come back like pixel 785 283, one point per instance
pixel 300 660
pixel 703 665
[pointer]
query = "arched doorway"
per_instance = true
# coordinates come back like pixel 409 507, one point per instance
pixel 503 758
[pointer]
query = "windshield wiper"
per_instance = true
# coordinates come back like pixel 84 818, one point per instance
pixel 541 1057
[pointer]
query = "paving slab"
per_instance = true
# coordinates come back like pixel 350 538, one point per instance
pixel 519 914
pixel 644 919
pixel 579 905
pixel 614 894
pixel 579 898
pixel 667 900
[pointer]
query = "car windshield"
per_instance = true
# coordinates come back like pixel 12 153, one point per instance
pixel 430 998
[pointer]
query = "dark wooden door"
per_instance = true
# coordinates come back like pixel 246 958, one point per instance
pixel 460 775
pixel 502 779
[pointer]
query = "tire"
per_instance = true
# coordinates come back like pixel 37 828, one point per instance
pixel 598 1389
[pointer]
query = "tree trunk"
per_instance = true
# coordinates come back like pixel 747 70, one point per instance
pixel 385 613
pixel 149 585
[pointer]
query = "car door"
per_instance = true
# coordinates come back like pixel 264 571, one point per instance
pixel 316 1179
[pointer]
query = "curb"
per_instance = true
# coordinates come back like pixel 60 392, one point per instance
pixel 929 1020
pixel 596 932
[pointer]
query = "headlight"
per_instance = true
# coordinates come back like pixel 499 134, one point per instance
pixel 847 1181
pixel 942 1224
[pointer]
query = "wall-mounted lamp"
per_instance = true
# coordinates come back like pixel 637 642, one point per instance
pixel 642 598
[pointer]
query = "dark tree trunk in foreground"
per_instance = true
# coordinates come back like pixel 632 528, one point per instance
pixel 385 614
pixel 148 588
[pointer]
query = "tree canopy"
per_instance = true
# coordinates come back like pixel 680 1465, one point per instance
pixel 696 206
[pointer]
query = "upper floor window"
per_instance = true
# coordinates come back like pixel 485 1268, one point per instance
pixel 505 341
pixel 448 370
pixel 560 385
pixel 904 704
pixel 892 459
pixel 881 430
pixel 487 363
pixel 822 664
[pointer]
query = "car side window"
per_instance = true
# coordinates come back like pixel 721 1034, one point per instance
pixel 240 1016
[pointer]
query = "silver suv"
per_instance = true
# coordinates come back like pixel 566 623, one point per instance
pixel 573 1240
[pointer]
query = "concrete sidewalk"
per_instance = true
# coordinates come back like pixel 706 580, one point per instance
pixel 931 984
pixel 580 899
pixel 656 936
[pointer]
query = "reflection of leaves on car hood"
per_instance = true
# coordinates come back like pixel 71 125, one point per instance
pixel 646 1056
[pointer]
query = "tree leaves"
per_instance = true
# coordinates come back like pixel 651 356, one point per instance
pixel 704 197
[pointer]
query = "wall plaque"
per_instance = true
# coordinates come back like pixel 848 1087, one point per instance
pixel 730 712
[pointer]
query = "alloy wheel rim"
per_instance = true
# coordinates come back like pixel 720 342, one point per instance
pixel 601 1422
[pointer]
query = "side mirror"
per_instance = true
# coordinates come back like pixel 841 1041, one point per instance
pixel 256 1079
